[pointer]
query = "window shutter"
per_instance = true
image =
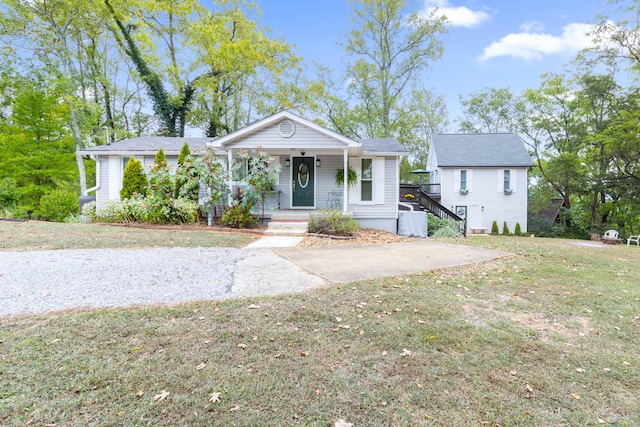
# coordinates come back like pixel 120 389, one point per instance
pixel 378 180
pixel 514 174
pixel 354 192
pixel 115 177
pixel 470 180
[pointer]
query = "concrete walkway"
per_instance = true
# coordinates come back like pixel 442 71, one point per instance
pixel 343 264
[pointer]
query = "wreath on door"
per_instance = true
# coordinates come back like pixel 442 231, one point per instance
pixel 303 175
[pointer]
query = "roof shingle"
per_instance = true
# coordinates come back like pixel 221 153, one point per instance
pixel 480 150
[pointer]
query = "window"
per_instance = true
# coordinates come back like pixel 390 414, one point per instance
pixel 366 182
pixel 125 160
pixel 463 180
pixel 507 180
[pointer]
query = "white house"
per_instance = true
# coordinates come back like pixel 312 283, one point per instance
pixel 308 154
pixel 481 177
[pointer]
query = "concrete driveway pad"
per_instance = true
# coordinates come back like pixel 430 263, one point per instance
pixel 343 264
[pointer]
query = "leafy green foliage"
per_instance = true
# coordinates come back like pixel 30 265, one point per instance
pixel 58 205
pixel 9 196
pixel 442 227
pixel 160 160
pixel 238 216
pixel 505 229
pixel 352 177
pixel 494 228
pixel 332 222
pixel 134 180
pixel 185 152
pixel 262 175
pixel 518 230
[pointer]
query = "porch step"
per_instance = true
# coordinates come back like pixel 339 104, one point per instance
pixel 287 228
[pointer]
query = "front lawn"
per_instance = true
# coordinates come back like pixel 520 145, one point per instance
pixel 546 338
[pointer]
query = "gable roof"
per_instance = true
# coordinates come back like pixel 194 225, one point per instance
pixel 229 139
pixel 480 150
pixel 150 145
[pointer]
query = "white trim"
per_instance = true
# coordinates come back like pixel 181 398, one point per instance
pixel 315 183
pixel 115 177
pixel 268 121
pixel 378 180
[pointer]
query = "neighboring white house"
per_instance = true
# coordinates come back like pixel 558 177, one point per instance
pixel 308 154
pixel 481 177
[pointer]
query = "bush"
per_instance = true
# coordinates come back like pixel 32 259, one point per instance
pixel 435 223
pixel 186 211
pixel 160 160
pixel 448 231
pixel 518 231
pixel 89 212
pixel 134 180
pixel 58 205
pixel 505 229
pixel 333 222
pixel 238 216
pixel 494 228
pixel 9 196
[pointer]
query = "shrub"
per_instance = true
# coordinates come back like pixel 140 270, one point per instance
pixel 505 229
pixel 333 222
pixel 186 211
pixel 89 212
pixel 9 196
pixel 494 228
pixel 134 180
pixel 517 231
pixel 451 231
pixel 435 223
pixel 160 160
pixel 58 205
pixel 238 216
pixel 184 153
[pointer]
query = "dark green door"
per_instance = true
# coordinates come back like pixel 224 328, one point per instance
pixel 302 182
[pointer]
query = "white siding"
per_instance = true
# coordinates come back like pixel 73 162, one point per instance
pixel 484 202
pixel 305 139
pixel 389 207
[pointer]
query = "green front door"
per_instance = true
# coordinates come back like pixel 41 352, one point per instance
pixel 303 179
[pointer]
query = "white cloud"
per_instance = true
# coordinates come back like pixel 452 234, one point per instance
pixel 457 16
pixel 533 44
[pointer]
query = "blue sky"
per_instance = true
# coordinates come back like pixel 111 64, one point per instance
pixel 490 43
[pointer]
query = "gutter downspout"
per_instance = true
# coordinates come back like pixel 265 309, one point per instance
pixel 98 183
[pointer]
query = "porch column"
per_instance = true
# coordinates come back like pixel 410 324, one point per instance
pixel 345 182
pixel 230 171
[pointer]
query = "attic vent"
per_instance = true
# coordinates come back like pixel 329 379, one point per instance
pixel 287 128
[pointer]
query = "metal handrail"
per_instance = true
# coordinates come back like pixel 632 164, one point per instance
pixel 441 212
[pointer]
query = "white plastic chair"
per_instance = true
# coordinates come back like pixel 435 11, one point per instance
pixel 635 239
pixel 610 236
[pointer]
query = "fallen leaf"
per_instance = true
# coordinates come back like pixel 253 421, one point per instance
pixel 514 373
pixel 345 326
pixel 235 408
pixel 304 354
pixel 200 366
pixel 421 322
pixel 162 396
pixel 214 397
pixel 253 307
pixel 136 348
pixel 406 352
pixel 295 417
pixel 529 388
pixel 580 370
pixel 338 319
pixel 342 423
pixel 318 392
pixel 242 346
pixel 575 396
pixel 140 393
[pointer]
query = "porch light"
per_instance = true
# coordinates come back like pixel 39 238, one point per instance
pixel 287 163
pixel 318 162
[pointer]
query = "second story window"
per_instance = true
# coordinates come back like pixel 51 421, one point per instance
pixel 507 180
pixel 463 180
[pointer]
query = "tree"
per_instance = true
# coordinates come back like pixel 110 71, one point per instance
pixel 490 110
pixel 390 49
pixel 134 180
pixel 160 160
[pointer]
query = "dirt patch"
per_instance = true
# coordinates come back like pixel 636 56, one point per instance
pixel 571 328
pixel 364 236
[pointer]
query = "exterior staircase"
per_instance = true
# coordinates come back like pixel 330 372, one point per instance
pixel 288 223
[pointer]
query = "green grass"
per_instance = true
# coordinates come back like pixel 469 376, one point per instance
pixel 548 337
pixel 38 235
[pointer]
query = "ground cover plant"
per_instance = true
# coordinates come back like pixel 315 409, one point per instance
pixel 548 336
